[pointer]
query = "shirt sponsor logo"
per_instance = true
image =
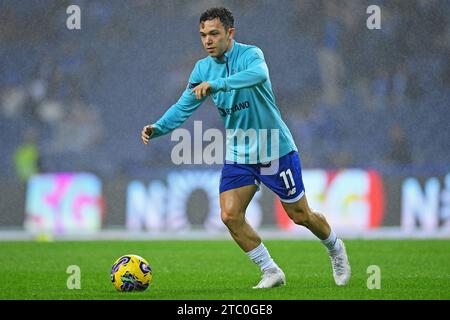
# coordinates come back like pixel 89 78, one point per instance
pixel 237 107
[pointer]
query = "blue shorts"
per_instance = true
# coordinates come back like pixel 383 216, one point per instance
pixel 282 176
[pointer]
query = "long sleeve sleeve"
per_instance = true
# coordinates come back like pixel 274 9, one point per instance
pixel 178 113
pixel 256 72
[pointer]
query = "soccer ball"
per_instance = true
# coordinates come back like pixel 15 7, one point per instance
pixel 131 273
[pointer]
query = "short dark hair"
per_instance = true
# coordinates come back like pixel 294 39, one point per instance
pixel 224 14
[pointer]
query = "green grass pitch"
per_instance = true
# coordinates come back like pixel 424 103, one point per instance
pixel 218 269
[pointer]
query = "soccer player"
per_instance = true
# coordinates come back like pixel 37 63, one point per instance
pixel 236 77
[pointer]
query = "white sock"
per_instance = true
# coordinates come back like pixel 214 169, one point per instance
pixel 331 242
pixel 260 255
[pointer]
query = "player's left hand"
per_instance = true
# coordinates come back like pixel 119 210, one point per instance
pixel 202 90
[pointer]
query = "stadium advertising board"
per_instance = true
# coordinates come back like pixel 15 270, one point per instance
pixel 425 203
pixel 350 198
pixel 64 203
pixel 159 206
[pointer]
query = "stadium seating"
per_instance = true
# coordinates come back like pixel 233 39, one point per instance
pixel 129 65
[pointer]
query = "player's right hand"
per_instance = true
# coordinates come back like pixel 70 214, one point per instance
pixel 146 133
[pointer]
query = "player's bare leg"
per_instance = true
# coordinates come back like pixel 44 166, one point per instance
pixel 301 214
pixel 233 204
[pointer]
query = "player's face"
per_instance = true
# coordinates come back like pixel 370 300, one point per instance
pixel 214 37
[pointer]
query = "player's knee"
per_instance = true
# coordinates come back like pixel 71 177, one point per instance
pixel 230 218
pixel 299 216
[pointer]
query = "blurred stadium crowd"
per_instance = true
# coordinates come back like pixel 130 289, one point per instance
pixel 74 100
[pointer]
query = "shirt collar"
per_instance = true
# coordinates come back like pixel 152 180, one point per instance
pixel 227 53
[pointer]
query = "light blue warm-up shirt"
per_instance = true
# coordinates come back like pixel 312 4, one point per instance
pixel 242 93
